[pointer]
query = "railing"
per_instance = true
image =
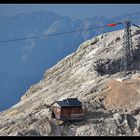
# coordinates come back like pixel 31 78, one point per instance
pixel 77 115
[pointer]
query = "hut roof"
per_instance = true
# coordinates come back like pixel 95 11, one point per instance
pixel 69 102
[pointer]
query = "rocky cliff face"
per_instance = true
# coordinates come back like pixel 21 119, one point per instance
pixel 92 74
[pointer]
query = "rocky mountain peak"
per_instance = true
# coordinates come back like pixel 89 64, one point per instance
pixel 91 74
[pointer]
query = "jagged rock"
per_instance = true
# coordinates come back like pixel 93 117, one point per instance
pixel 16 134
pixel 31 132
pixel 110 126
pixel 127 129
pixel 132 122
pixel 136 132
pixel 83 74
pixel 119 118
pixel 86 130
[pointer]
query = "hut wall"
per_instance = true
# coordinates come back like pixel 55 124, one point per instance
pixel 67 111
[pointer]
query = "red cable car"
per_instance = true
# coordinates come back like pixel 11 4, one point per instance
pixel 112 24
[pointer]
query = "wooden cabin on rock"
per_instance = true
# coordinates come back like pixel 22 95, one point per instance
pixel 68 109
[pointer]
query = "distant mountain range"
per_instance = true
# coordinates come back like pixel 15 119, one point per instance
pixel 30 58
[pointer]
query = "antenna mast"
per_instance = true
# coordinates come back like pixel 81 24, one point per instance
pixel 127 61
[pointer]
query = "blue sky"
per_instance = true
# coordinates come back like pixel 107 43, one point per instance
pixel 73 10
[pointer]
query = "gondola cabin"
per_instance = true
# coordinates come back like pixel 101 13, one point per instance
pixel 68 109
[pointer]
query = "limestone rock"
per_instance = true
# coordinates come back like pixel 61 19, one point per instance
pixel 83 74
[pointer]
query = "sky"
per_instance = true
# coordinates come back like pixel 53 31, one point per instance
pixel 72 10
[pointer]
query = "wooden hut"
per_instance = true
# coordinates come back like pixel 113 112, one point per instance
pixel 68 109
